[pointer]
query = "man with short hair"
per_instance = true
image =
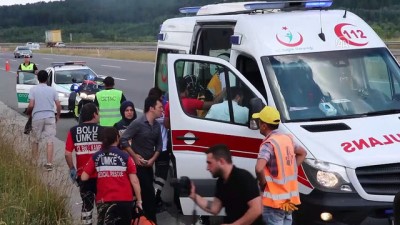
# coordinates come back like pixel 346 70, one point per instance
pixel 27 65
pixel 147 144
pixel 109 102
pixel 220 111
pixel 42 99
pixel 276 169
pixel 85 141
pixel 236 190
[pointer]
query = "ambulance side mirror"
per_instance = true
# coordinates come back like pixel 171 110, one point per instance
pixel 256 105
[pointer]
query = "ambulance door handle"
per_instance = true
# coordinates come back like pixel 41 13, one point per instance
pixel 187 138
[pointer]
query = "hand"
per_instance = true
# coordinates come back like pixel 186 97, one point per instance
pixel 288 206
pixel 138 160
pixel 138 206
pixel 149 163
pixel 57 118
pixel 192 191
pixel 72 174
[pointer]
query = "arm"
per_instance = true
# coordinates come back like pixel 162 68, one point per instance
pixel 30 107
pixel 301 154
pixel 260 165
pixel 167 123
pixel 254 211
pixel 123 98
pixel 58 107
pixel 68 159
pixel 124 142
pixel 213 207
pixel 136 186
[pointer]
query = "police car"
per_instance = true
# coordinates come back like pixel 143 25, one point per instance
pixel 62 75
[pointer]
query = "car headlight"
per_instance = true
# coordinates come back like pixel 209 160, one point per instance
pixel 327 176
pixel 63 95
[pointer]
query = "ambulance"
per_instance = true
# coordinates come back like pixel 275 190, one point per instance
pixel 334 81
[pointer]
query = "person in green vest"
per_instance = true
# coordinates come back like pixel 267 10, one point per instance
pixel 28 66
pixel 109 102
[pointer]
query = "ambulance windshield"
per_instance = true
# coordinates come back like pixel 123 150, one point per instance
pixel 334 85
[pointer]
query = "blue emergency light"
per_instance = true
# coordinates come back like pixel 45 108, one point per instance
pixel 190 10
pixel 161 36
pixel 319 4
pixel 289 4
pixel 236 39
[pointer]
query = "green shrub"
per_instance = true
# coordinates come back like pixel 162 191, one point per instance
pixel 24 198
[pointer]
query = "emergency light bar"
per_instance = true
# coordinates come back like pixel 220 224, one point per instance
pixel 247 7
pixel 82 63
pixel 189 10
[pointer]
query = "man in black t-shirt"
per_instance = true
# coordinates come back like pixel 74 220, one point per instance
pixel 236 190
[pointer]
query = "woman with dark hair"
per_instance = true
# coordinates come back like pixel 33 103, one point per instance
pixel 128 114
pixel 116 175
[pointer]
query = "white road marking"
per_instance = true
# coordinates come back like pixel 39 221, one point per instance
pixel 47 58
pixel 112 66
pixel 115 78
pixel 139 110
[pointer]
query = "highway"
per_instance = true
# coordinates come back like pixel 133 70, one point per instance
pixel 134 78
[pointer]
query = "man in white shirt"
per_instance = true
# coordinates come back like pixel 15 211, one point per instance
pixel 221 111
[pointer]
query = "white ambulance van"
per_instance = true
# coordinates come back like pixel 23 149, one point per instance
pixel 334 81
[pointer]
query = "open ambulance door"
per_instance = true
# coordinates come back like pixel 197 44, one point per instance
pixel 25 81
pixel 192 134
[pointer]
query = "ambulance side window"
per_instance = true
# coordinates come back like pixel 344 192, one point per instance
pixel 213 92
pixel 161 79
pixel 249 68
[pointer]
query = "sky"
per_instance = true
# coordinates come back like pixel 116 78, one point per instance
pixel 20 2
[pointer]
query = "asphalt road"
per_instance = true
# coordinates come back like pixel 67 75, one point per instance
pixel 134 78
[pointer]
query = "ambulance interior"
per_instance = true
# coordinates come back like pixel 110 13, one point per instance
pixel 334 85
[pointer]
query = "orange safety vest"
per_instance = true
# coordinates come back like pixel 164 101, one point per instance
pixel 284 186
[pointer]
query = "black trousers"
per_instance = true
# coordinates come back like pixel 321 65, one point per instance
pixel 114 213
pixel 146 177
pixel 87 190
pixel 162 168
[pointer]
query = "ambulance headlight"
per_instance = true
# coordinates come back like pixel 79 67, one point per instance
pixel 327 176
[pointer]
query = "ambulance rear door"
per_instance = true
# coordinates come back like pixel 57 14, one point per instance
pixel 25 81
pixel 192 134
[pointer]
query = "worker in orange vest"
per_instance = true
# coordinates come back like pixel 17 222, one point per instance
pixel 276 169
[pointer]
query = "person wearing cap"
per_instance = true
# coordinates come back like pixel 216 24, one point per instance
pixel 27 65
pixel 109 102
pixel 276 169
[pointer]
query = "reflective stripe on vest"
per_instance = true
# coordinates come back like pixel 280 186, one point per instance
pixel 27 68
pixel 109 106
pixel 284 186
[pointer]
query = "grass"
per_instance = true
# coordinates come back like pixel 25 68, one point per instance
pixel 137 55
pixel 24 198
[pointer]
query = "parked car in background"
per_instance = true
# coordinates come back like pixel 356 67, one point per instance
pixel 21 51
pixel 33 45
pixel 59 45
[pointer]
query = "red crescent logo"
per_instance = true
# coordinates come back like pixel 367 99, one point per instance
pixel 341 36
pixel 290 44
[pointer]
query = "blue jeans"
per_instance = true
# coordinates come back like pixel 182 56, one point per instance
pixel 276 216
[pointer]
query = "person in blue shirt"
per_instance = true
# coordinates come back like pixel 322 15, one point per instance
pixel 221 111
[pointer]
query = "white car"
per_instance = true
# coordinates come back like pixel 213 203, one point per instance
pixel 63 74
pixel 59 45
pixel 33 45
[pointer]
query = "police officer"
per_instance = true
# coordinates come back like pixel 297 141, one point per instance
pixel 109 102
pixel 27 65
